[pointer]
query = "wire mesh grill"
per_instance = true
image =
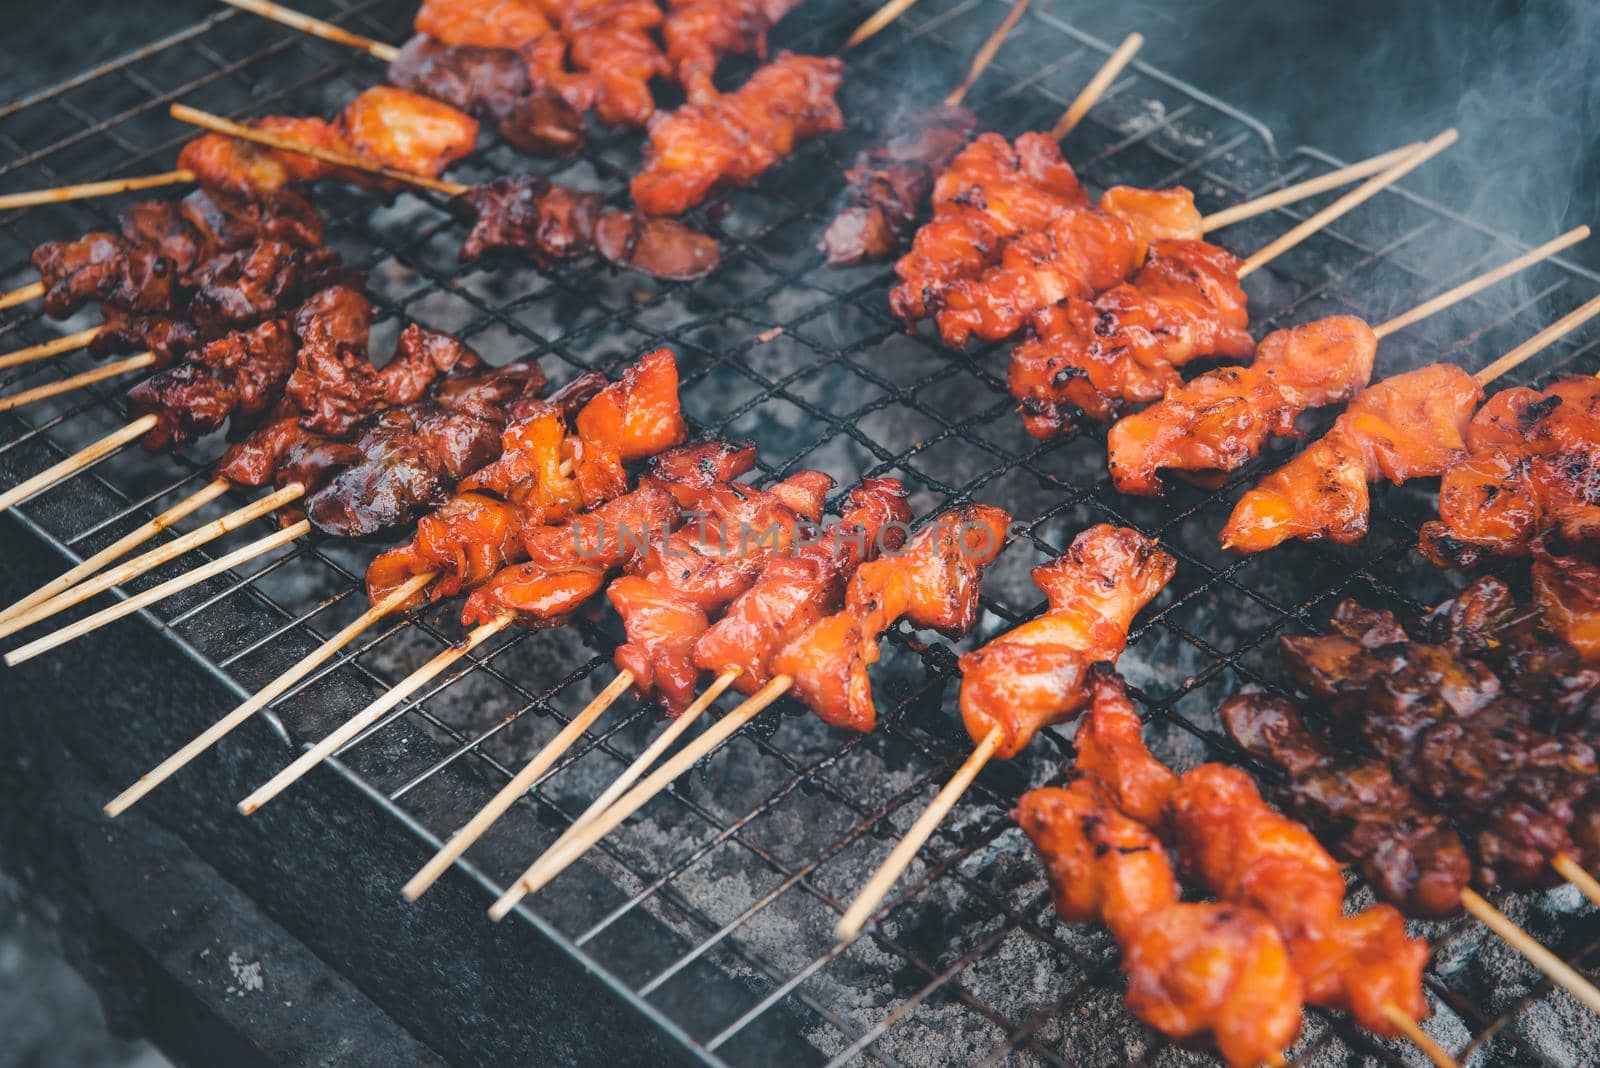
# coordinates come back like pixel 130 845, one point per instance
pixel 742 868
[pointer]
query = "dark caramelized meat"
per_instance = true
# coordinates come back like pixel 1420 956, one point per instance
pixel 284 452
pixel 886 188
pixel 1035 675
pixel 169 337
pixel 1410 426
pixel 239 289
pixel 103 267
pixel 526 214
pixel 933 584
pixel 1125 347
pixel 238 376
pixel 734 138
pixel 1218 422
pixel 660 248
pixel 1567 590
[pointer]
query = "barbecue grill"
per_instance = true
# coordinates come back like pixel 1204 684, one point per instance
pixel 702 930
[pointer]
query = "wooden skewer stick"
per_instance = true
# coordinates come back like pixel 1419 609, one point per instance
pixel 555 862
pixel 1291 194
pixel 22 295
pixel 94 622
pixel 1358 195
pixel 1573 872
pixel 1419 1038
pixel 85 190
pixel 1553 966
pixel 371 714
pixel 1483 281
pixel 317 28
pixel 152 559
pixel 85 457
pixel 120 548
pixel 218 124
pixel 521 783
pixel 47 349
pixel 1556 330
pixel 268 694
pixel 640 765
pixel 1097 86
pixel 877 21
pixel 78 381
pixel 905 851
pixel 987 51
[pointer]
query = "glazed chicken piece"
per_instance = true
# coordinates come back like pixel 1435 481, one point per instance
pixel 1567 590
pixel 509 24
pixel 933 584
pixel 1533 467
pixel 1110 749
pixel 611 44
pixel 1193 970
pixel 733 138
pixel 1084 250
pixel 1218 422
pixel 991 191
pixel 699 33
pixel 408 131
pixel 1036 674
pixel 104 267
pixel 1249 855
pixel 1124 348
pixel 660 248
pixel 1412 425
pixel 667 604
pixel 799 588
pixel 888 184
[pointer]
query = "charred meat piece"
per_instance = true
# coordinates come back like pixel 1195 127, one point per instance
pixel 239 289
pixel 527 214
pixel 238 376
pixel 660 248
pixel 104 267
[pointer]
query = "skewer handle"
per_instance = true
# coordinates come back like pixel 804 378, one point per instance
pixel 370 715
pixel 877 21
pixel 1292 194
pixel 555 862
pixel 1573 872
pixel 22 294
pixel 120 548
pixel 152 559
pixel 77 381
pixel 218 124
pixel 53 347
pixel 85 457
pixel 1420 1038
pixel 74 631
pixel 1097 86
pixel 1553 966
pixel 1538 342
pixel 317 28
pixel 640 765
pixel 987 51
pixel 1483 281
pixel 905 851
pixel 1362 193
pixel 519 785
pixel 267 694
pixel 85 190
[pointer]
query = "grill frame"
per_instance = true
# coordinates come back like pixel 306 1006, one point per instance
pixel 917 724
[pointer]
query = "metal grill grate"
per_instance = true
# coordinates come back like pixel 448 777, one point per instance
pixel 741 869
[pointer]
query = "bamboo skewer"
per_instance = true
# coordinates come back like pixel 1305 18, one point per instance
pixel 640 765
pixel 877 21
pixel 166 589
pixel 83 191
pixel 218 124
pixel 371 714
pixel 555 861
pixel 53 347
pixel 120 548
pixel 152 559
pixel 1548 336
pixel 265 696
pixel 1368 189
pixel 521 783
pixel 1573 872
pixel 1310 187
pixel 1553 966
pixel 77 381
pixel 317 28
pixel 905 851
pixel 31 291
pixel 987 51
pixel 85 457
pixel 1097 86
pixel 1419 1038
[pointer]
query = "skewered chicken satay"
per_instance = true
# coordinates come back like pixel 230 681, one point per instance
pixel 1530 468
pixel 1035 675
pixel 1194 970
pixel 1125 346
pixel 612 46
pixel 1412 425
pixel 933 584
pixel 698 33
pixel 888 183
pixel 732 138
